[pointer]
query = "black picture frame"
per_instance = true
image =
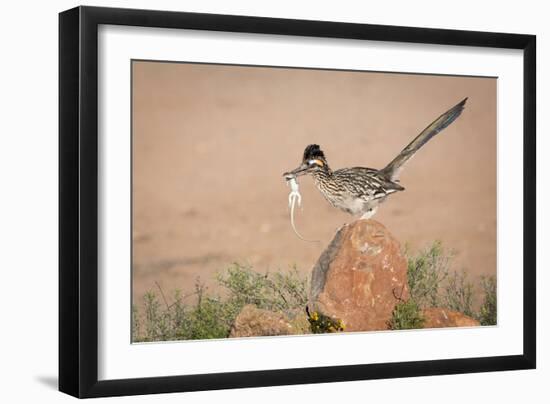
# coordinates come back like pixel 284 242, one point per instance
pixel 78 201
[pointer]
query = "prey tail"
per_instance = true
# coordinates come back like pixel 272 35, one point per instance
pixel 392 170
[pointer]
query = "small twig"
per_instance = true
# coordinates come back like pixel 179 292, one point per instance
pixel 400 297
pixel 162 294
pixel 183 298
pixel 199 290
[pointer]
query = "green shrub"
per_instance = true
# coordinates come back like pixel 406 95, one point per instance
pixel 158 323
pixel 208 318
pixel 432 284
pixel 212 316
pixel 406 315
pixel 425 273
pixel 278 291
pixel 459 293
pixel 488 311
pixel 136 324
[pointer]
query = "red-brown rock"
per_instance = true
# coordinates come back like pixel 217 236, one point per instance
pixel 435 317
pixel 255 322
pixel 359 275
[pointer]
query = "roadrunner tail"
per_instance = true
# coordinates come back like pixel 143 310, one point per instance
pixel 393 169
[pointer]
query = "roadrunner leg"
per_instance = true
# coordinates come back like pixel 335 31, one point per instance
pixel 369 213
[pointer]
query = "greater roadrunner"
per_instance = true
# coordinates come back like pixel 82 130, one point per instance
pixel 360 190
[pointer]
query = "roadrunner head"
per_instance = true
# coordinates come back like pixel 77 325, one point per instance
pixel 313 160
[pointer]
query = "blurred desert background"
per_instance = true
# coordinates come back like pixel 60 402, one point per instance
pixel 210 144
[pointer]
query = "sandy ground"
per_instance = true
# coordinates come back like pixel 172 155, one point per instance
pixel 210 144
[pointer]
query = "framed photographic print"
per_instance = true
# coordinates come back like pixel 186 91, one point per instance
pixel 240 205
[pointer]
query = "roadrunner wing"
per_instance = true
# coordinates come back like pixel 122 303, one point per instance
pixel 392 170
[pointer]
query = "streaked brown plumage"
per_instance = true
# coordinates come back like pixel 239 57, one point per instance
pixel 359 190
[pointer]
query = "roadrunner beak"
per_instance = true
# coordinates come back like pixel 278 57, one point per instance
pixel 301 170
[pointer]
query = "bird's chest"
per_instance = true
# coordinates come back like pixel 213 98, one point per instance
pixel 355 206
